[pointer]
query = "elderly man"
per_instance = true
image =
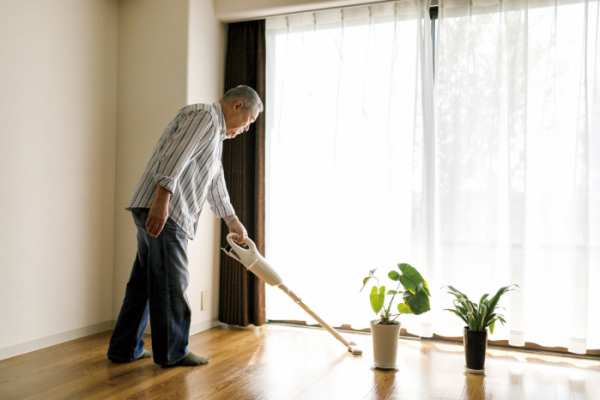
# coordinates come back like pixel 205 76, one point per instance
pixel 184 170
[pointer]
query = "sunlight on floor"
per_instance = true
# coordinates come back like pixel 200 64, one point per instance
pixel 523 357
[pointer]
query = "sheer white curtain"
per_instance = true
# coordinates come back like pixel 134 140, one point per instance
pixel 504 186
pixel 518 164
pixel 344 111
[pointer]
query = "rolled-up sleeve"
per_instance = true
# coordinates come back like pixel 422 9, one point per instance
pixel 187 133
pixel 218 197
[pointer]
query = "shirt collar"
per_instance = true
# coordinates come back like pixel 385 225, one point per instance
pixel 221 120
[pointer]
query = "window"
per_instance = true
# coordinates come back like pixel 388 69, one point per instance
pixel 360 175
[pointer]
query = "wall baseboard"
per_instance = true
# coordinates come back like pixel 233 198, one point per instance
pixel 204 326
pixel 37 344
pixel 197 328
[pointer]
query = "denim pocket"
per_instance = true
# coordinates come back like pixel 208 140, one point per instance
pixel 172 230
pixel 140 215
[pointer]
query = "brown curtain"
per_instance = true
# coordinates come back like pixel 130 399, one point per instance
pixel 242 294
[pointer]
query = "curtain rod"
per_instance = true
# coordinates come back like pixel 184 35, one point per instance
pixel 434 3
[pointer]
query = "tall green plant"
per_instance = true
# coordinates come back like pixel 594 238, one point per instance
pixel 415 296
pixel 478 316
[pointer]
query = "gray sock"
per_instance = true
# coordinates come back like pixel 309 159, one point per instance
pixel 192 360
pixel 147 354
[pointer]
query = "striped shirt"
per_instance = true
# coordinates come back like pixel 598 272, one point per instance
pixel 187 162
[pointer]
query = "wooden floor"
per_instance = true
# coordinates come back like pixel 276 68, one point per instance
pixel 278 362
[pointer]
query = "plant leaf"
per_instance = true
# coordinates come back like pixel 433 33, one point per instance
pixel 461 316
pixel 393 275
pixel 457 291
pixel 392 292
pixel 403 309
pixel 494 300
pixel 492 328
pixel 419 287
pixel 377 298
pixel 411 278
pixel 482 315
pixel 466 303
pixel 365 281
pixel 418 303
pixel 481 302
pixel 464 310
pixel 471 320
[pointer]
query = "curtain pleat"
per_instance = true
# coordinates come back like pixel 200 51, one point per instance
pixel 242 294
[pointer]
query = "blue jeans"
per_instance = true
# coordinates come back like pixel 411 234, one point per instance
pixel 157 287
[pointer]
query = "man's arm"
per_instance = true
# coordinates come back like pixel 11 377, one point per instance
pixel 159 212
pixel 186 133
pixel 220 203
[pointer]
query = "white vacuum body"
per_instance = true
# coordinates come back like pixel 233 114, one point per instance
pixel 257 264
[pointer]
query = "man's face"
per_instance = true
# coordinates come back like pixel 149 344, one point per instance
pixel 240 121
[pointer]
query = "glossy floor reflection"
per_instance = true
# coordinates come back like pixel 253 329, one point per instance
pixel 278 362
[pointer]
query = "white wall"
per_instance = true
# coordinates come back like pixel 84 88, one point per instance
pixel 57 157
pixel 206 66
pixel 170 54
pixel 77 131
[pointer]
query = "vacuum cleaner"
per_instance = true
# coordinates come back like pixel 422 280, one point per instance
pixel 255 262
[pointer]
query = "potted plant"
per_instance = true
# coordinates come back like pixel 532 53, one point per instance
pixel 385 329
pixel 477 317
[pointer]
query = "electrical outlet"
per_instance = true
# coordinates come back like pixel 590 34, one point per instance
pixel 204 305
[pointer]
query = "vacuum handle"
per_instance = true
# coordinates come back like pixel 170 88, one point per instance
pixel 248 242
pixel 253 261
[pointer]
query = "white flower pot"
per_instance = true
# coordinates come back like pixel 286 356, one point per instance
pixel 385 344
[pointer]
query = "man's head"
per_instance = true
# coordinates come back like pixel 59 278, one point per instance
pixel 241 106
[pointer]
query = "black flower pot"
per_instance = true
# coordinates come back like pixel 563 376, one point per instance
pixel 475 348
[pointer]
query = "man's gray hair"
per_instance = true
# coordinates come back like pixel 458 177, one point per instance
pixel 246 95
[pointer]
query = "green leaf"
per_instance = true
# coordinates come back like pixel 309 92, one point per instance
pixel 482 299
pixel 490 318
pixel 467 304
pixel 403 309
pixel 494 300
pixel 365 281
pixel 377 298
pixel 482 318
pixel 482 315
pixel 493 303
pixel 471 322
pixel 418 303
pixel 393 275
pixel 392 292
pixel 411 278
pixel 464 310
pixel 457 291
